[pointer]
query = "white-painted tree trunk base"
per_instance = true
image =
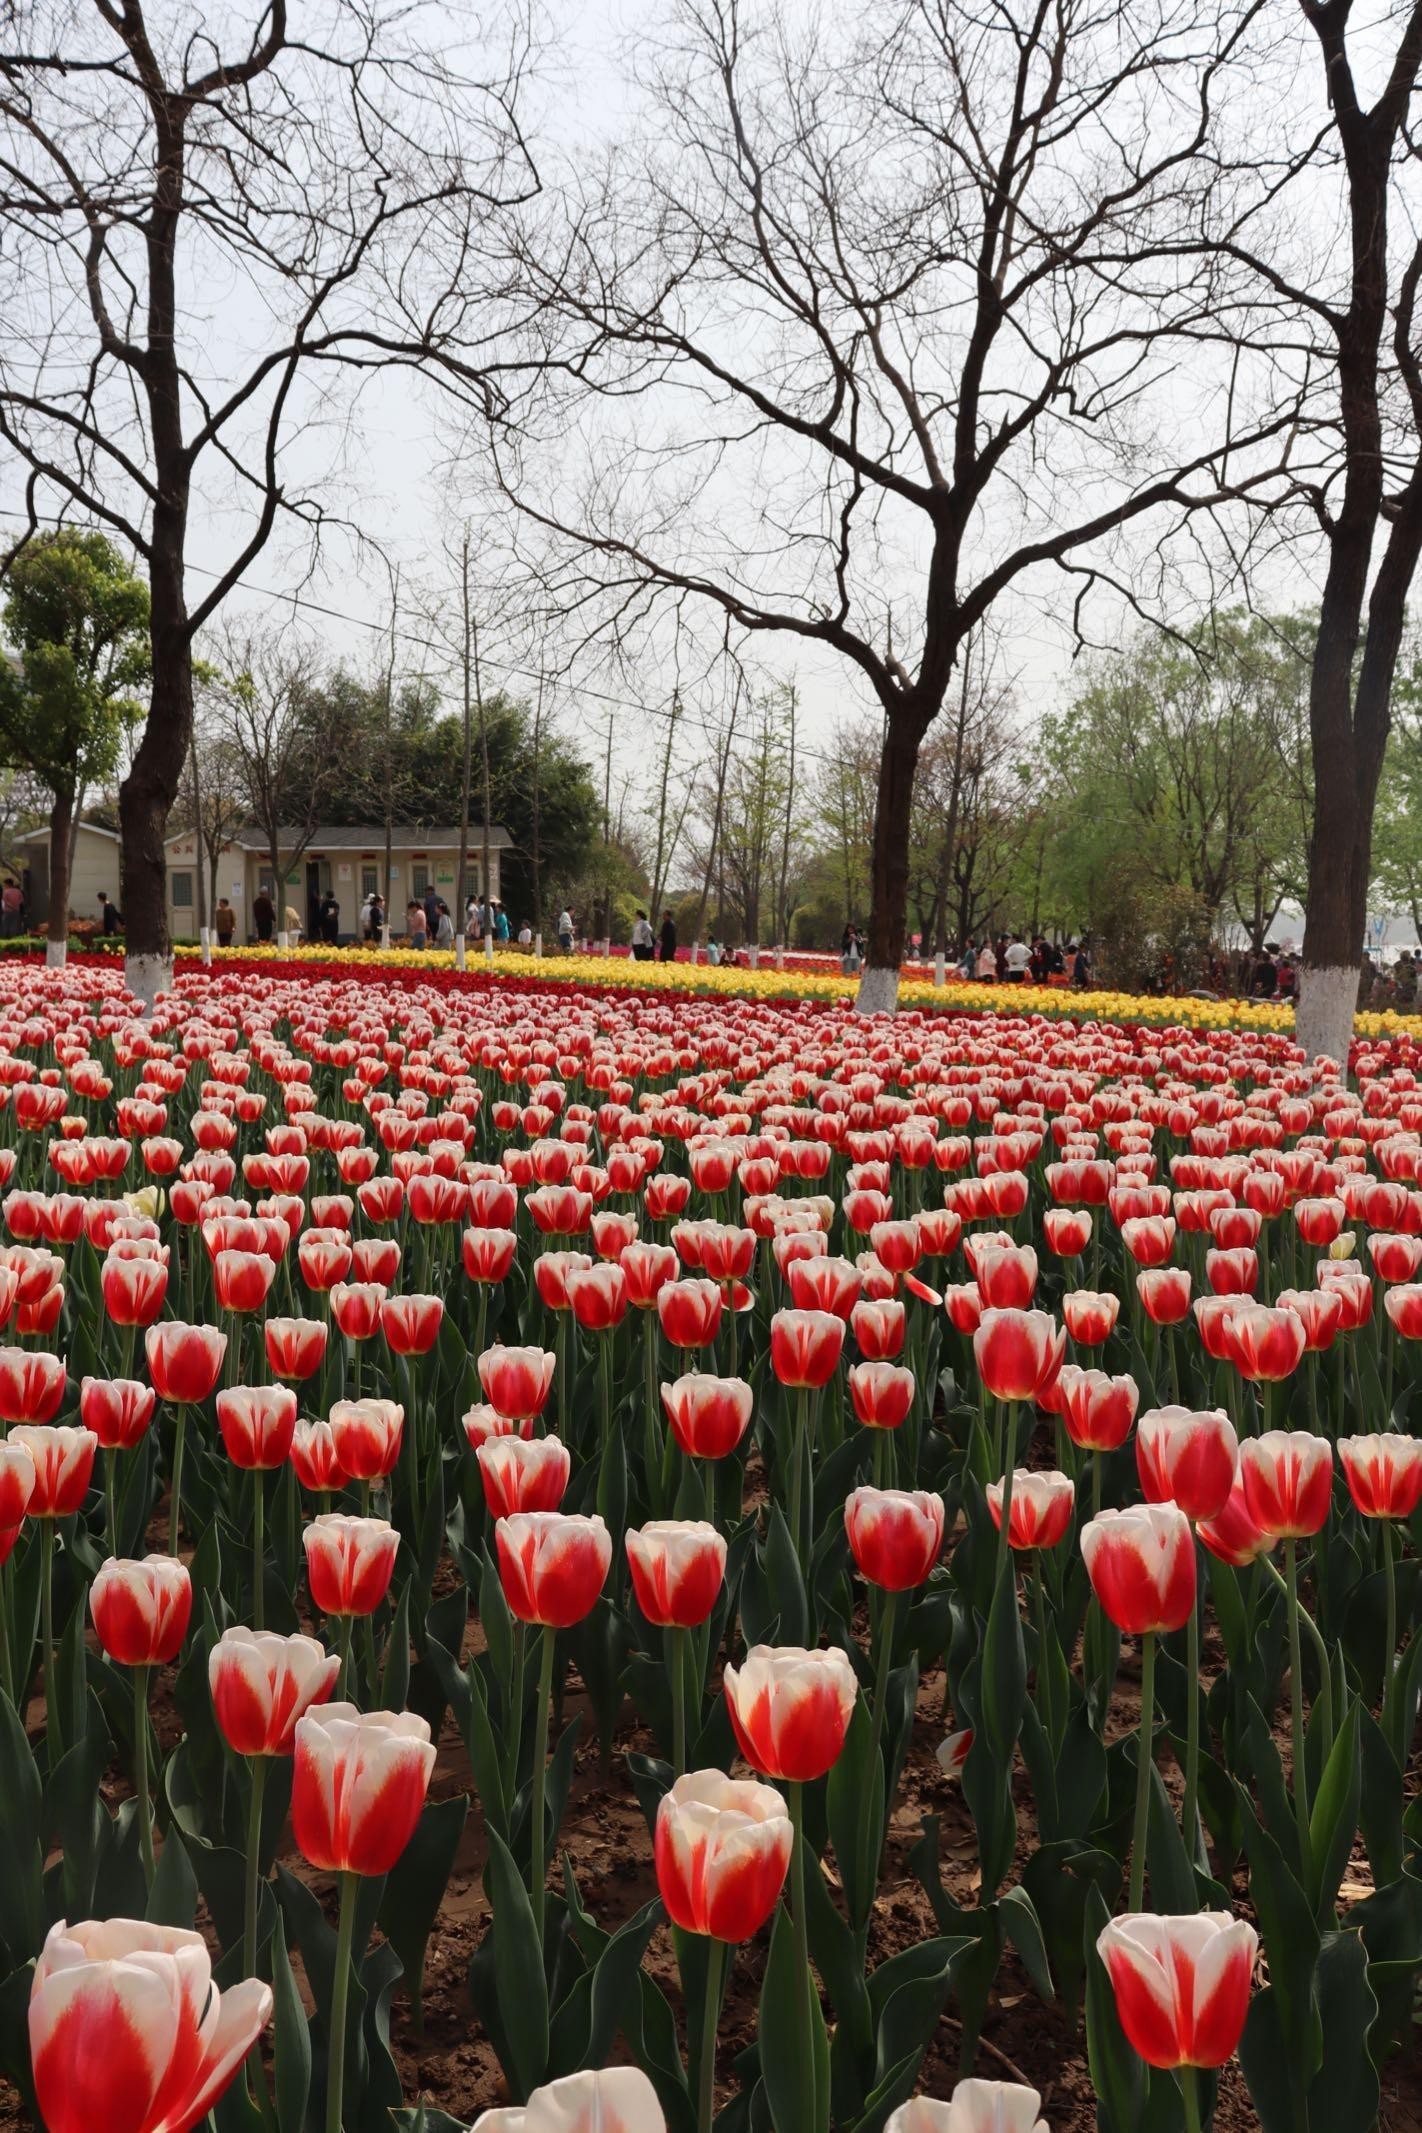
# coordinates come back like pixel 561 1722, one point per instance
pixel 940 978
pixel 205 944
pixel 56 954
pixel 385 936
pixel 283 938
pixel 878 992
pixel 488 951
pixel 147 978
pixel 538 950
pixel 1323 1021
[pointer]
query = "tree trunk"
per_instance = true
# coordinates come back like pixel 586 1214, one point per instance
pixel 462 868
pixel 898 760
pixel 145 798
pixel 61 815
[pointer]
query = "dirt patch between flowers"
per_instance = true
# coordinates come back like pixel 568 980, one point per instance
pixel 449 2063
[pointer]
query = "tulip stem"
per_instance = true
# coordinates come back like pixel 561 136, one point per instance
pixel 800 1920
pixel 540 1777
pixel 1044 1677
pixel 1190 2095
pixel 1145 1758
pixel 343 1683
pixel 1296 1709
pixel 7 1663
pixel 140 1771
pixel 111 1495
pixel 254 1849
pixel 336 2064
pixel 676 1660
pixel 1320 1652
pixel 565 1389
pixel 799 1461
pixel 655 1449
pixel 872 1843
pixel 175 1507
pixel 710 2023
pixel 1005 1523
pixel 53 1741
pixel 1390 1587
pixel 259 1547
pixel 1190 1813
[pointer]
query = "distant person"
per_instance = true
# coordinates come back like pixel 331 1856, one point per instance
pixel 292 922
pixel 110 917
pixel 713 950
pixel 968 961
pixel 1405 979
pixel 1367 971
pixel 501 923
pixel 1080 966
pixel 263 915
pixel 364 920
pixel 987 964
pixel 417 930
pixel 431 903
pixel 12 910
pixel 377 917
pixel 1016 958
pixel 1264 978
pixel 642 938
pixel 1289 979
pixel 444 926
pixel 331 919
pixel 668 938
pixel 850 954
pixel 225 919
pixel 525 935
pixel 565 931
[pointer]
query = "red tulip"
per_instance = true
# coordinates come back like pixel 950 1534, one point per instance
pixel 1395 1259
pixel 678 1567
pixel 17 1485
pixel 133 1290
pixel 1265 1343
pixel 708 1415
pixel 31 1385
pixel 375 1259
pixel 128 2031
pixel 963 1305
pixel 324 1257
pixel 805 1346
pixel 895 1535
pixel 1402 1304
pixel 1383 1473
pixel 1164 1293
pixel 358 1786
pixel 349 1562
pixel 1090 1317
pixel 1018 1353
pixel 553 1565
pixel 296 1347
pixel 1319 1221
pixel 522 1473
pixel 881 1394
pixel 1067 1231
pixel 356 1306
pixel 878 1329
pixel 411 1323
pixel 824 1285
pixel 313 1455
pixel 184 1362
pixel 1234 1535
pixel 690 1311
pixel 551 1272
pixel 517 1381
pixel 1006 1275
pixel 63 1461
pixel 1042 1505
pixel 1349 1281
pixel 240 1280
pixel 141 1610
pixel 1187 1457
pixel 597 1296
pixel 722 1850
pixel 261 1684
pixel 366 1436
pixel 1098 1410
pixel 1181 1984
pixel 560 1210
pixel 1320 1311
pixel 1150 1239
pixel 257 1423
pixel 1234 1272
pixel 646 1270
pixel 1288 1481
pixel 790 1709
pixel 1141 1564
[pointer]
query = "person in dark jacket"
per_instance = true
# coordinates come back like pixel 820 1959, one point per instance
pixel 263 915
pixel 667 938
pixel 330 918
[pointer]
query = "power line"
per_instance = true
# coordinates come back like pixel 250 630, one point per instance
pixel 431 644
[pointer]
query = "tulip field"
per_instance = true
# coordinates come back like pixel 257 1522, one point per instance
pixel 580 1564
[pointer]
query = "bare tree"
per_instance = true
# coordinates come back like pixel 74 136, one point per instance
pixel 876 317
pixel 284 733
pixel 302 173
pixel 1355 313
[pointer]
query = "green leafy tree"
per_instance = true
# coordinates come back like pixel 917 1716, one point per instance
pixel 76 619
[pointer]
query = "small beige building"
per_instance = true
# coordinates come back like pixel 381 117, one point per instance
pixel 95 873
pixel 350 863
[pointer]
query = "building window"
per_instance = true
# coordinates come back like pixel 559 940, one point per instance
pixel 471 885
pixel 419 880
pixel 182 892
pixel 369 882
